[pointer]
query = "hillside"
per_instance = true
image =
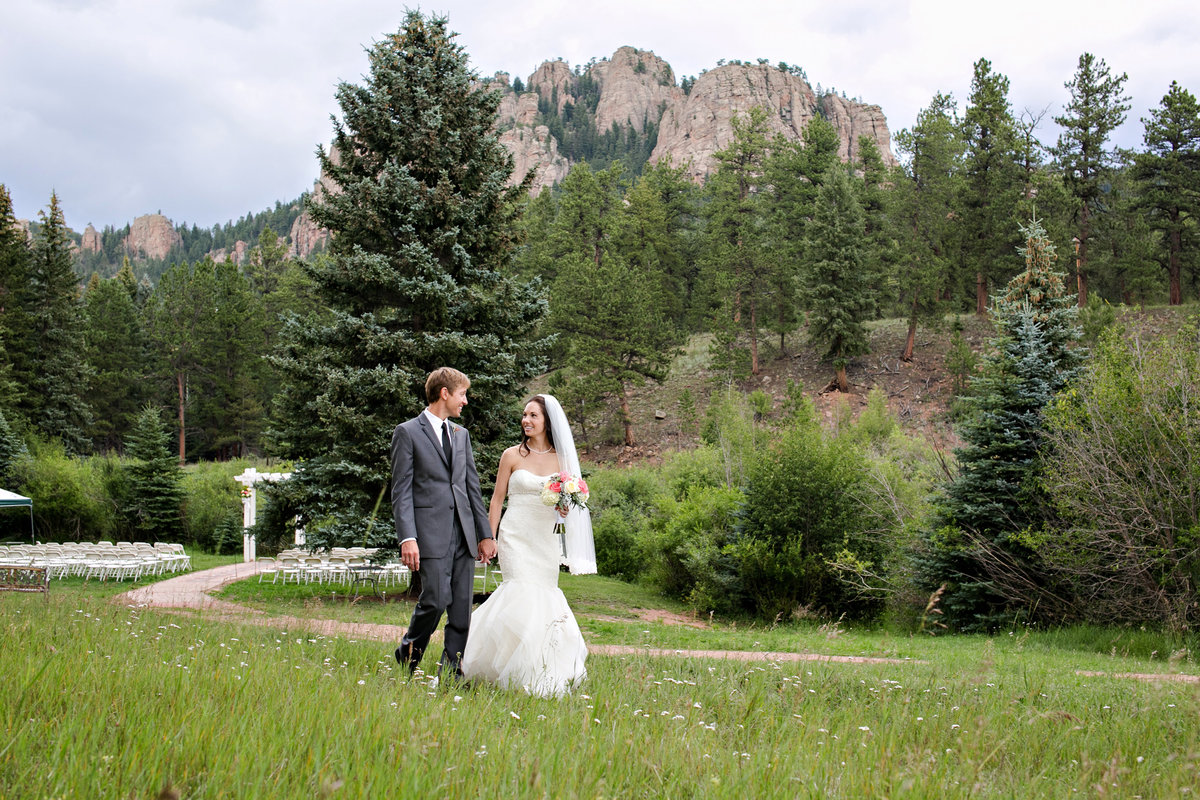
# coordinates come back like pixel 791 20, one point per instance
pixel 919 393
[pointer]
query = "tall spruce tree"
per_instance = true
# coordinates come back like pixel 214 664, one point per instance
pixel 1168 173
pixel 55 399
pixel 992 180
pixel 421 222
pixel 116 351
pixel 741 266
pixel 155 494
pixel 839 294
pixel 975 548
pixel 1097 108
pixel 923 205
pixel 14 320
pixel 610 307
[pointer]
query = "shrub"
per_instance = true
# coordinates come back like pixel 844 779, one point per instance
pixel 1122 470
pixel 212 503
pixel 805 508
pixel 68 493
pixel 686 550
pixel 621 500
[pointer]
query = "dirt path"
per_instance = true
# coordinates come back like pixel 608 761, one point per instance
pixel 192 591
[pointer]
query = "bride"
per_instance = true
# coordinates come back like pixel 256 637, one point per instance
pixel 525 636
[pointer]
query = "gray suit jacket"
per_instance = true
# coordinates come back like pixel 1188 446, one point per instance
pixel 426 494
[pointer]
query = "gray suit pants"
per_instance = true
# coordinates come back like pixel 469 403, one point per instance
pixel 447 585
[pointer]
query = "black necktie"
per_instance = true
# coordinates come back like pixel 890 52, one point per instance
pixel 446 440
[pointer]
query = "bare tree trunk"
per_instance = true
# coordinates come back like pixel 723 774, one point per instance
pixel 627 417
pixel 843 383
pixel 981 294
pixel 1174 267
pixel 182 429
pixel 753 336
pixel 1081 257
pixel 911 341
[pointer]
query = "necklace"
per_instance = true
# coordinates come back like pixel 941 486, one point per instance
pixel 539 452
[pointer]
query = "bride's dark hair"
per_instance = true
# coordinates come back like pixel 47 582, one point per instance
pixel 524 447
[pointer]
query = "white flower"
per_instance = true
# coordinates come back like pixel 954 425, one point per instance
pixel 571 487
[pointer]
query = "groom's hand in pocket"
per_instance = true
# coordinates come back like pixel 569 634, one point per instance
pixel 410 555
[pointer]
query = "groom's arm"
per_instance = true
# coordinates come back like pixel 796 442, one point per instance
pixel 483 528
pixel 402 498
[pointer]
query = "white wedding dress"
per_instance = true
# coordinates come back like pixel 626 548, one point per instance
pixel 524 636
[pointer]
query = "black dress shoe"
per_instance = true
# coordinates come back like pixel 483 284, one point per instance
pixel 406 657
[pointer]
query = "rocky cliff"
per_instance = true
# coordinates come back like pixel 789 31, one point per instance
pixel 152 236
pixel 637 89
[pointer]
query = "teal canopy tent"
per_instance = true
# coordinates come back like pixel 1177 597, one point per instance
pixel 13 500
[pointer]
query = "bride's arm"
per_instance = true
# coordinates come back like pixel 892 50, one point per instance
pixel 496 508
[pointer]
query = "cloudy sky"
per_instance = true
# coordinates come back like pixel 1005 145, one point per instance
pixel 206 110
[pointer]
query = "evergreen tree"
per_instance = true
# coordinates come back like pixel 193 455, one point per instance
pixel 116 352
pixel 15 325
pixel 154 479
pixel 55 402
pixel 740 265
pixel 924 198
pixel 795 172
pixel 1097 108
pixel 992 179
pixel 12 450
pixel 839 295
pixel 677 247
pixel 174 323
pixel 1169 176
pixel 610 306
pixel 975 548
pixel 421 226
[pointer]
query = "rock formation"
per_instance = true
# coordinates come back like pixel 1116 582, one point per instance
pixel 635 87
pixel 534 150
pixel 91 240
pixel 238 254
pixel 152 236
pixel 552 82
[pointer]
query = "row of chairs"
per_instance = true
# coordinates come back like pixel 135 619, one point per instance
pixel 336 566
pixel 100 560
pixel 339 564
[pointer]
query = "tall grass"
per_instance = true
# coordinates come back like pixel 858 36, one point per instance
pixel 108 701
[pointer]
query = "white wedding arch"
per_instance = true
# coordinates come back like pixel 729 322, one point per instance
pixel 249 480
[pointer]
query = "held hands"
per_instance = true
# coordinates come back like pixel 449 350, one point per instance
pixel 487 550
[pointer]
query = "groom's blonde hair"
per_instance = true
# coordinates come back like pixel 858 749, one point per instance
pixel 447 377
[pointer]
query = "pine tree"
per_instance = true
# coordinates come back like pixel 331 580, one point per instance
pixel 12 450
pixel 55 401
pixel 923 212
pixel 15 324
pixel 1169 176
pixel 1097 108
pixel 610 306
pixel 421 224
pixel 739 260
pixel 116 352
pixel 794 172
pixel 838 298
pixel 991 186
pixel 975 547
pixel 154 478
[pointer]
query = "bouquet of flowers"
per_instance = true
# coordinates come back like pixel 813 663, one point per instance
pixel 563 490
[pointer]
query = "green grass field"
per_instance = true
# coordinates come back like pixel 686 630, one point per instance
pixel 104 700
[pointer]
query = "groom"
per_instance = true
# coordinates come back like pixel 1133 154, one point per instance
pixel 440 519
